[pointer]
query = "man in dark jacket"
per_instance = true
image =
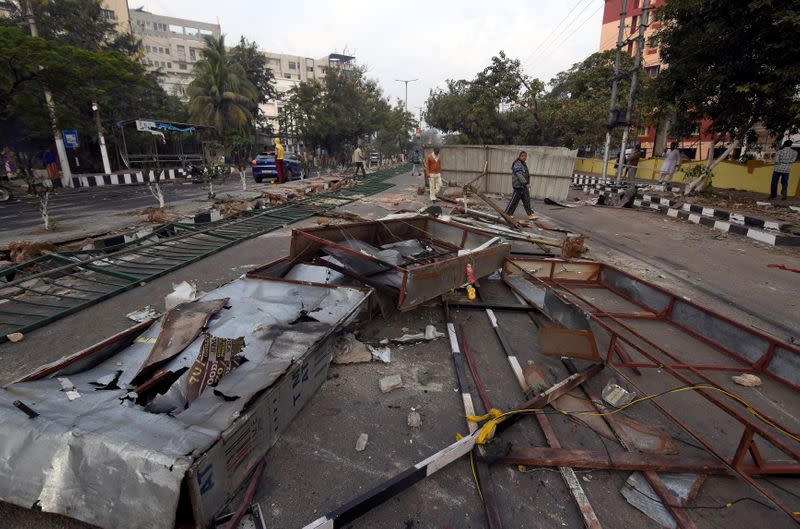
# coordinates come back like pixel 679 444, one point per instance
pixel 520 178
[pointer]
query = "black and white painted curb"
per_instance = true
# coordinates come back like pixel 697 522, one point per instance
pixel 139 177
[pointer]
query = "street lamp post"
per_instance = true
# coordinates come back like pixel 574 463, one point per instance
pixel 406 81
pixel 101 138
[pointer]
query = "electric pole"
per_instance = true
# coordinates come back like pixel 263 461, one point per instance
pixel 637 64
pixel 612 112
pixel 66 179
pixel 101 138
pixel 406 81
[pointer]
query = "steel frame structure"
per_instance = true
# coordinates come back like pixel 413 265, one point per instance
pixel 559 282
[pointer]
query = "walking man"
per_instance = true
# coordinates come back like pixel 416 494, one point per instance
pixel 784 159
pixel 358 160
pixel 433 166
pixel 632 163
pixel 279 166
pixel 672 159
pixel 416 160
pixel 520 179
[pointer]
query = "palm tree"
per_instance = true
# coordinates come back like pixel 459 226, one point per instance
pixel 220 94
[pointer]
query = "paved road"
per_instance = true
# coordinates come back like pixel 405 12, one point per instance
pixel 19 213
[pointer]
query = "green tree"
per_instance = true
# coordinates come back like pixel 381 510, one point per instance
pixel 394 132
pixel 345 109
pixel 254 62
pixel 497 106
pixel 220 94
pixel 734 63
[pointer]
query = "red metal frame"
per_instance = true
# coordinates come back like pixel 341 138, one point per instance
pixel 564 289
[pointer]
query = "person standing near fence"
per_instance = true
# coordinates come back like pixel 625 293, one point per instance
pixel 433 166
pixel 672 159
pixel 784 159
pixel 520 179
pixel 632 163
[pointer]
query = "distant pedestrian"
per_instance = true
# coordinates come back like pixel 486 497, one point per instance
pixel 433 166
pixel 9 165
pixel 279 163
pixel 520 179
pixel 416 160
pixel 784 159
pixel 358 159
pixel 672 158
pixel 632 163
pixel 50 164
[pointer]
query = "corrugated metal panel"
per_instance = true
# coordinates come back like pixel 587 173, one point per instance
pixel 550 167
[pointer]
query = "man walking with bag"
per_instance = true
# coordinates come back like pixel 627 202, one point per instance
pixel 784 159
pixel 520 179
pixel 358 160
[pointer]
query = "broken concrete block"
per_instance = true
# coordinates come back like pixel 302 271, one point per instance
pixel 749 380
pixel 414 419
pixel 384 354
pixel 15 337
pixel 348 350
pixel 391 382
pixel 361 442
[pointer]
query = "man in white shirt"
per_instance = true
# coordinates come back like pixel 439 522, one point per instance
pixel 784 159
pixel 671 161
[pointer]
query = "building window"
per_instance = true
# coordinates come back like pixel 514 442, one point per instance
pixel 193 54
pixel 109 14
pixel 166 50
pixel 206 32
pixel 163 64
pixel 292 65
pixel 652 71
pixel 323 69
pixel 147 48
pixel 191 31
pixel 169 65
pixel 176 29
pixel 310 69
pixel 182 65
pixel 160 49
pixel 181 51
pixel 287 75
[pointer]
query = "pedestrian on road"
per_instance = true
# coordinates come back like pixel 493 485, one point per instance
pixel 279 164
pixel 784 159
pixel 672 159
pixel 520 180
pixel 358 160
pixel 416 160
pixel 632 163
pixel 433 166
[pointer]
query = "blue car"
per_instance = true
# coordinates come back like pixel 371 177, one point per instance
pixel 264 167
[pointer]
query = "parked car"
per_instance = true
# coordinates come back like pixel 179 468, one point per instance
pixel 374 159
pixel 264 167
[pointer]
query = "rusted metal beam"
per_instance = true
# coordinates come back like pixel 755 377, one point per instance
pixel 611 460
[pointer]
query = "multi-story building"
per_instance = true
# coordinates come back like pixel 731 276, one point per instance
pixel 172 46
pixel 290 71
pixel 117 10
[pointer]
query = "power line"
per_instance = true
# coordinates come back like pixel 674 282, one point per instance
pixel 554 46
pixel 554 30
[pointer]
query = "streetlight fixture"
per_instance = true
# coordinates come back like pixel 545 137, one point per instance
pixel 406 81
pixel 101 138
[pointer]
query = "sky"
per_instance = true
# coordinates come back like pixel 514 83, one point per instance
pixel 427 40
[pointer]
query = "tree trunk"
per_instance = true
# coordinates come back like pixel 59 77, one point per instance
pixel 157 192
pixel 44 199
pixel 699 183
pixel 243 177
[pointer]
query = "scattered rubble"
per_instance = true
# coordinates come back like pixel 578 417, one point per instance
pixel 142 315
pixel 414 419
pixel 361 442
pixel 616 395
pixel 348 350
pixel 430 333
pixel 383 354
pixel 390 383
pixel 21 251
pixel 748 379
pixel 181 293
pixel 15 337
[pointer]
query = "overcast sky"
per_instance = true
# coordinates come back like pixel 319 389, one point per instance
pixel 429 40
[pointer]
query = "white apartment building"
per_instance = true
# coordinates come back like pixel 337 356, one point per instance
pixel 291 70
pixel 171 45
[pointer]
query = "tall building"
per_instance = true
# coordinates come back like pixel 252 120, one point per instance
pixel 171 45
pixel 117 10
pixel 290 71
